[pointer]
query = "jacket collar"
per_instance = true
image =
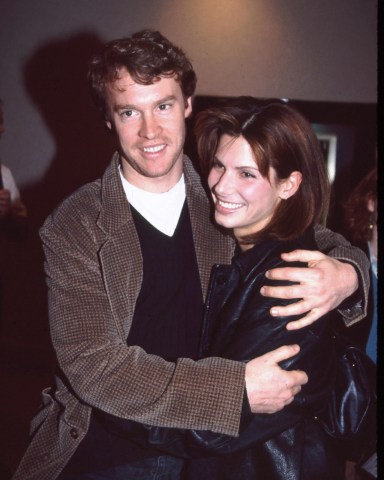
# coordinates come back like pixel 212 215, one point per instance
pixel 115 211
pixel 268 248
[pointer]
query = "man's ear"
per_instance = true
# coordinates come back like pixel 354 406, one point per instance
pixel 188 107
pixel 290 185
pixel 108 124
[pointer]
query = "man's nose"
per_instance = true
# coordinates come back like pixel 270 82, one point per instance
pixel 149 127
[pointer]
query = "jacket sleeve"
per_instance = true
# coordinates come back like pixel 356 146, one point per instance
pixel 335 245
pixel 247 337
pixel 90 341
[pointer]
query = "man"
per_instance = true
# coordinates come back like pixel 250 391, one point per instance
pixel 128 261
pixel 13 213
pixel 13 219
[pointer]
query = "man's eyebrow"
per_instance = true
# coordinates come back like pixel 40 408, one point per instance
pixel 120 106
pixel 166 99
pixel 127 106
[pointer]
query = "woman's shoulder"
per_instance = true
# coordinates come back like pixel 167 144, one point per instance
pixel 266 253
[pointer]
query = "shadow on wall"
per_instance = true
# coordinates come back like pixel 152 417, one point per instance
pixel 55 78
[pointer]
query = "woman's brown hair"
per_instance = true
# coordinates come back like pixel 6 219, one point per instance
pixel 282 138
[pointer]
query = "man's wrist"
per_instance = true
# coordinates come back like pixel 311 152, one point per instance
pixel 355 299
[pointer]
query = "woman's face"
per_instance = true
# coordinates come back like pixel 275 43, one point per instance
pixel 244 200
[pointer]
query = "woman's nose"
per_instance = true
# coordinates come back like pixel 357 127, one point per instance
pixel 223 183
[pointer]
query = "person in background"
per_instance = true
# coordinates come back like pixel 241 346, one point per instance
pixel 361 211
pixel 13 226
pixel 13 213
pixel 128 261
pixel 361 221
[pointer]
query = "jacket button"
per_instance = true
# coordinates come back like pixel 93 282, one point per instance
pixel 74 433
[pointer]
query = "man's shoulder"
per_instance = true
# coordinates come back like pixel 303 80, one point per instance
pixel 83 205
pixel 191 175
pixel 83 199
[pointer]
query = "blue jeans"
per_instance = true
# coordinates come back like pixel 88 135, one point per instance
pixel 154 468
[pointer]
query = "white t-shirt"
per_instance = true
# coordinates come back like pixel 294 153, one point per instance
pixel 162 210
pixel 9 183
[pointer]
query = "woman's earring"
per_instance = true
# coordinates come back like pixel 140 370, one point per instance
pixel 371 221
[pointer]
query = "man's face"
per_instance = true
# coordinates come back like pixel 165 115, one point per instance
pixel 149 121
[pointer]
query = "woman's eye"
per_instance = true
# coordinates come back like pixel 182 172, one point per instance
pixel 217 165
pixel 248 175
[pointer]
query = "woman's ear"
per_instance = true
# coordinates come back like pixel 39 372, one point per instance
pixel 290 185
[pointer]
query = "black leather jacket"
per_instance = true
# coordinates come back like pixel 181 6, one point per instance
pixel 288 444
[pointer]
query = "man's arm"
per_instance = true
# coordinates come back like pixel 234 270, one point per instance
pixel 326 284
pixel 89 321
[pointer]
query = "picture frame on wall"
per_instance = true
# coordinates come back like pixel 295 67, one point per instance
pixel 328 145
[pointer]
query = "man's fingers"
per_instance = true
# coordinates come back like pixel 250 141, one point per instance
pixel 298 308
pixel 288 291
pixel 295 391
pixel 281 353
pixel 296 379
pixel 269 387
pixel 310 318
pixel 302 256
pixel 294 274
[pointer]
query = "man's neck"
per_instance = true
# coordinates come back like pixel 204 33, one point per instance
pixel 159 184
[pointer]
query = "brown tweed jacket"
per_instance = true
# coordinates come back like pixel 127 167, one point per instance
pixel 94 272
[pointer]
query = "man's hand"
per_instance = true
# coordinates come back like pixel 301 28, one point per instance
pixel 269 387
pixel 322 287
pixel 5 203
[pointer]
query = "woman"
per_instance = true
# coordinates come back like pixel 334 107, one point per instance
pixel 361 220
pixel 269 188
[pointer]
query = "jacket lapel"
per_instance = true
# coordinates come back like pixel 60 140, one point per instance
pixel 120 254
pixel 211 246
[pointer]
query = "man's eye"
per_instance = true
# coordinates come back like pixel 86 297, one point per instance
pixel 164 106
pixel 127 113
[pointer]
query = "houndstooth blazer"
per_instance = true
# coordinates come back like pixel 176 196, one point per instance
pixel 94 273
